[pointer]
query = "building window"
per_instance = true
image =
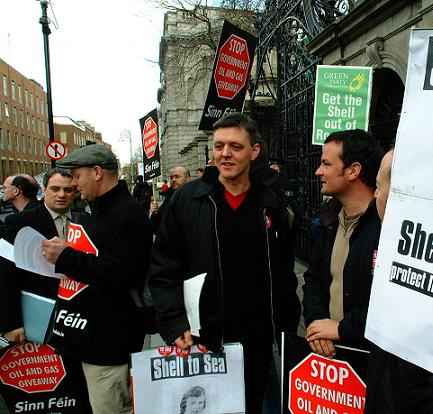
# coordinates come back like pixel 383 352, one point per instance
pixel 13 91
pixel 22 119
pixel 1 139
pixel 15 117
pixel 32 102
pixel 33 125
pixel 63 137
pixel 36 148
pixel 30 145
pixel 6 112
pixel 17 141
pixel 20 96
pixel 26 98
pixel 9 139
pixel 5 85
pixel 23 143
pixel 42 106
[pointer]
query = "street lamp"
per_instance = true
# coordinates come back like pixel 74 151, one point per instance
pixel 125 135
pixel 45 22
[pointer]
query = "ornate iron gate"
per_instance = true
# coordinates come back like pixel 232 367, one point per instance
pixel 286 26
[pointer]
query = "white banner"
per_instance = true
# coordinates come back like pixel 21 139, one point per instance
pixel 401 304
pixel 166 380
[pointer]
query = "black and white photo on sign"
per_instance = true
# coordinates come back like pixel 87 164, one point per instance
pixel 199 383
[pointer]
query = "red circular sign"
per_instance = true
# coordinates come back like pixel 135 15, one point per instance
pixel 232 67
pixel 32 368
pixel 322 385
pixel 150 137
pixel 55 150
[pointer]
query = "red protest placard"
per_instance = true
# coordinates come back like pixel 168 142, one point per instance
pixel 32 368
pixel 319 385
pixel 232 68
pixel 79 240
pixel 150 137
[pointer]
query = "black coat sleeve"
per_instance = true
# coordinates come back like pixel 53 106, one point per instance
pixel 166 276
pixel 352 327
pixel 286 283
pixel 123 264
pixel 316 289
pixel 10 297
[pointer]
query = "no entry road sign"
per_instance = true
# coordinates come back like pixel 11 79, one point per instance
pixel 55 150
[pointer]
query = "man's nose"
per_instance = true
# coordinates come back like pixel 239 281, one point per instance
pixel 226 151
pixel 318 171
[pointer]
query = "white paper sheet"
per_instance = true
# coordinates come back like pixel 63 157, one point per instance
pixel 7 250
pixel 191 296
pixel 28 253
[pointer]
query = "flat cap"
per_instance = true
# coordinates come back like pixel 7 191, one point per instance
pixel 88 156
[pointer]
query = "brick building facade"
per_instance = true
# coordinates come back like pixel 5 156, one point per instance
pixel 23 124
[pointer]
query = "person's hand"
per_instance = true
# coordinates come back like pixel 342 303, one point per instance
pixel 51 249
pixel 17 336
pixel 153 207
pixel 323 347
pixel 185 341
pixel 323 329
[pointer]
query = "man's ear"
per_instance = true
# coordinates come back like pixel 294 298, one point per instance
pixel 99 172
pixel 256 151
pixel 354 171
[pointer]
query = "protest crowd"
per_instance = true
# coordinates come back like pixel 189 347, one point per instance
pixel 124 261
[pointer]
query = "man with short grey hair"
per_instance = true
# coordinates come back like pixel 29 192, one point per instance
pixel 98 316
pixel 179 176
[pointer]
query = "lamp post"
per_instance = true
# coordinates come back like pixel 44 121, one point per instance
pixel 45 22
pixel 125 135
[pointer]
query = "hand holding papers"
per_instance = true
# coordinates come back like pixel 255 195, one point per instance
pixel 191 296
pixel 28 253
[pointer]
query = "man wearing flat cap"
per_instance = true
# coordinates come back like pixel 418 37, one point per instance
pixel 97 315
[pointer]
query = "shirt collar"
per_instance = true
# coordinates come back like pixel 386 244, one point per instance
pixel 54 214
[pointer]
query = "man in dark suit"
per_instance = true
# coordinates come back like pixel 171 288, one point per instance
pixel 21 191
pixel 50 218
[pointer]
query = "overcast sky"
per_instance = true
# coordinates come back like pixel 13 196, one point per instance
pixel 98 53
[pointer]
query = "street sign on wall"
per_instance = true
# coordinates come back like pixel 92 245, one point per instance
pixel 230 76
pixel 150 142
pixel 342 100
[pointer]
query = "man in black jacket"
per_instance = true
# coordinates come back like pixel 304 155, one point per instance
pixel 49 218
pixel 231 226
pixel 98 317
pixel 338 281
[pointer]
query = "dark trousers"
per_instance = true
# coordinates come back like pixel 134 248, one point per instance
pixel 257 359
